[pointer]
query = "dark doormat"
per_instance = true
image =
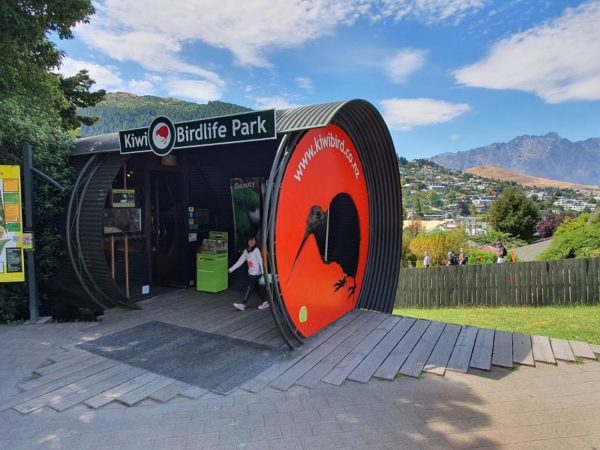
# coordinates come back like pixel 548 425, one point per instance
pixel 206 360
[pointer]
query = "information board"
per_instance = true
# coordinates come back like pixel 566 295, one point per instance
pixel 11 225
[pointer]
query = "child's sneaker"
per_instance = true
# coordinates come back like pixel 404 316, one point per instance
pixel 239 306
pixel 264 305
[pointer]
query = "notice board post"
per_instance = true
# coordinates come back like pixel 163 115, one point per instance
pixel 32 279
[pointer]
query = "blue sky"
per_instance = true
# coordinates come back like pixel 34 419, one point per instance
pixel 447 75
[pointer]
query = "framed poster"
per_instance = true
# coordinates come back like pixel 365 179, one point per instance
pixel 117 220
pixel 123 198
pixel 11 225
pixel 246 203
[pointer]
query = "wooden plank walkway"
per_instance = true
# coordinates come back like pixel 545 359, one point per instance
pixel 438 360
pixel 359 346
pixel 522 350
pixel 414 364
pixel 483 349
pixel 503 350
pixel 542 350
pixel 461 354
pixel 582 350
pixel 562 350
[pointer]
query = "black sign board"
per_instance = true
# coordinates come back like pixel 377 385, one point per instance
pixel 163 135
pixel 14 260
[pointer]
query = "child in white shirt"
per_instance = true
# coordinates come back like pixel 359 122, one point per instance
pixel 253 257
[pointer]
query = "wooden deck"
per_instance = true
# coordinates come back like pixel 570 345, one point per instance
pixel 358 347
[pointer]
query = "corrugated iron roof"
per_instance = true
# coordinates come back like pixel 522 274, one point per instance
pixel 306 117
pixel 102 143
pixel 287 120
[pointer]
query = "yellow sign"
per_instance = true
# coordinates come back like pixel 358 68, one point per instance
pixel 11 226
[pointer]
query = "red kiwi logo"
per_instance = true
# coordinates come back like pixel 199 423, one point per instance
pixel 162 135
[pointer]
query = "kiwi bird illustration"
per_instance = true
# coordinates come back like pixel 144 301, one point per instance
pixel 337 234
pixel 163 132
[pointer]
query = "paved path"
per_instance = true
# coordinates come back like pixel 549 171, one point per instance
pixel 329 395
pixel 542 408
pixel 359 347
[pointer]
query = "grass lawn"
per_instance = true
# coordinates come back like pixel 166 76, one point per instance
pixel 581 323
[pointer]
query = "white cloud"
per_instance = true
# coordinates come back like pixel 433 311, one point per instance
pixel 275 102
pixel 247 29
pixel 404 63
pixel 141 87
pixel 558 60
pixel 151 50
pixel 153 35
pixel 431 11
pixel 109 77
pixel 305 83
pixel 404 114
pixel 455 137
pixel 106 77
pixel 200 91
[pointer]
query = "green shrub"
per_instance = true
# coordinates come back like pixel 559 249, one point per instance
pixel 14 304
pixel 578 240
pixel 479 257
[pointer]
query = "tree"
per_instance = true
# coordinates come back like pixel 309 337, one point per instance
pixel 433 198
pixel 595 215
pixel 76 90
pixel 438 244
pixel 451 197
pixel 407 255
pixel 576 238
pixel 515 214
pixel 38 107
pixel 464 208
pixel 492 236
pixel 546 227
pixel 402 161
pixel 415 227
pixel 418 210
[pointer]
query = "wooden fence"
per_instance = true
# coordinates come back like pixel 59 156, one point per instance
pixel 564 282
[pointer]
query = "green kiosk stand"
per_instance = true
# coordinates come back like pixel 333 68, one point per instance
pixel 212 263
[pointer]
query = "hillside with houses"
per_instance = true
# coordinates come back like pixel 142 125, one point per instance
pixel 445 198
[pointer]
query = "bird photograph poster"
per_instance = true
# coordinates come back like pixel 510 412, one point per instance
pixel 246 199
pixel 322 229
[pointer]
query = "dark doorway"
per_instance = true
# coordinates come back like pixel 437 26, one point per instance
pixel 168 228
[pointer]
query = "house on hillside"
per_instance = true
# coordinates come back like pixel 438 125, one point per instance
pixel 438 188
pixel 482 203
pixel 572 204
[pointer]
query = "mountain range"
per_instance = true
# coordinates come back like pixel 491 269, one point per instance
pixel 548 156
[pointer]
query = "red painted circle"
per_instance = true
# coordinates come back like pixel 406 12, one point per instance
pixel 324 170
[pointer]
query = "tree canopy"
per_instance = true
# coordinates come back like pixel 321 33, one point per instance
pixel 575 238
pixel 514 213
pixel 38 106
pixel 438 244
